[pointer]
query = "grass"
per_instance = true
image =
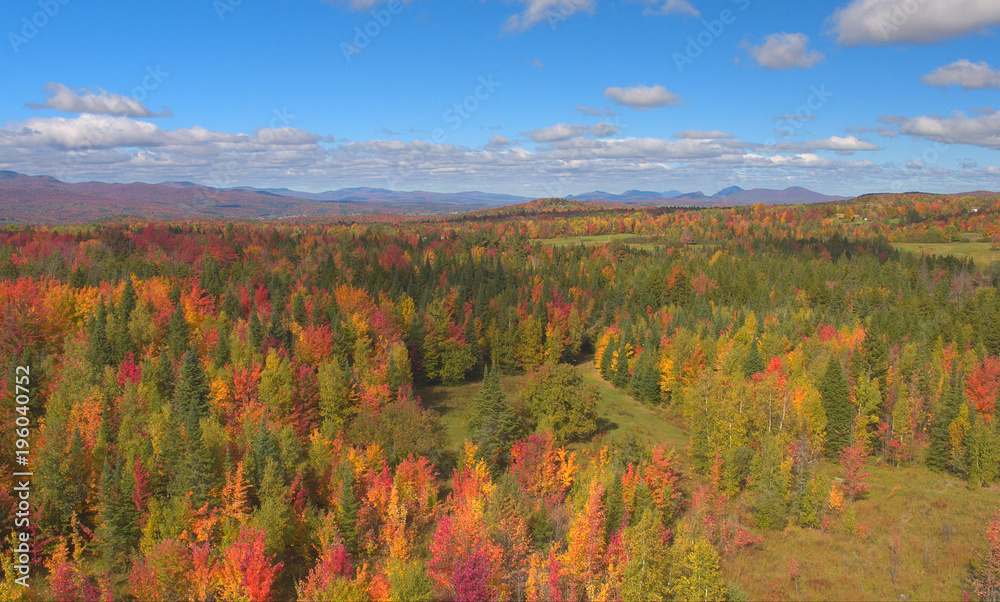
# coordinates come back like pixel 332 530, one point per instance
pixel 979 251
pixel 619 412
pixel 632 240
pixel 938 521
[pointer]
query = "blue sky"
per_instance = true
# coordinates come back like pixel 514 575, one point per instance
pixel 530 97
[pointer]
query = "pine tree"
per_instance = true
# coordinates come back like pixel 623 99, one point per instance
pixel 493 424
pixel 620 378
pixel 255 331
pixel 100 353
pixel 178 332
pixel 938 456
pixel 982 453
pixel 193 389
pixel 835 394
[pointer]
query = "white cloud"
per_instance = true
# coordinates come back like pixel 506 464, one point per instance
pixel 552 12
pixel 669 7
pixel 116 148
pixel 703 135
pixel 983 130
pixel 785 50
pixel 965 73
pixel 643 97
pixel 565 131
pixel 840 144
pixel 498 141
pixel 62 98
pixel 911 21
pixel 88 131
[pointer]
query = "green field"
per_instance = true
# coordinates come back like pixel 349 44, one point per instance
pixel 620 413
pixel 603 239
pixel 979 251
pixel 937 520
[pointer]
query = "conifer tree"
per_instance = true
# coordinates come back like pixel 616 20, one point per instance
pixel 493 424
pixel 177 332
pixel 938 456
pixel 193 388
pixel 100 353
pixel 835 394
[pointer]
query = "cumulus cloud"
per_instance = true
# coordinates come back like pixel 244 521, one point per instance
pixel 565 131
pixel 703 135
pixel 785 50
pixel 498 141
pixel 983 130
pixel 911 21
pixel 118 148
pixel 839 144
pixel 62 98
pixel 965 73
pixel 90 131
pixel 669 7
pixel 552 12
pixel 643 97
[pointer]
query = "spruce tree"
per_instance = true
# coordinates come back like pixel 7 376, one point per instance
pixel 835 394
pixel 193 388
pixel 100 353
pixel 493 424
pixel 620 378
pixel 608 361
pixel 177 332
pixel 938 457
pixel 256 330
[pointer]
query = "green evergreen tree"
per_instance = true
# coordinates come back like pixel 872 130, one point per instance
pixel 493 424
pixel 178 332
pixel 193 388
pixel 938 456
pixel 608 361
pixel 620 378
pixel 982 453
pixel 836 397
pixel 255 331
pixel 100 353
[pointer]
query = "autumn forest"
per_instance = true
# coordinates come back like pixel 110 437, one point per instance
pixel 554 401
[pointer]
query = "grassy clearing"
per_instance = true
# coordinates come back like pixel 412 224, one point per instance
pixel 602 239
pixel 621 414
pixel 979 251
pixel 938 521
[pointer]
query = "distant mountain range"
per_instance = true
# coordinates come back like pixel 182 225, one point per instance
pixel 46 200
pixel 733 195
